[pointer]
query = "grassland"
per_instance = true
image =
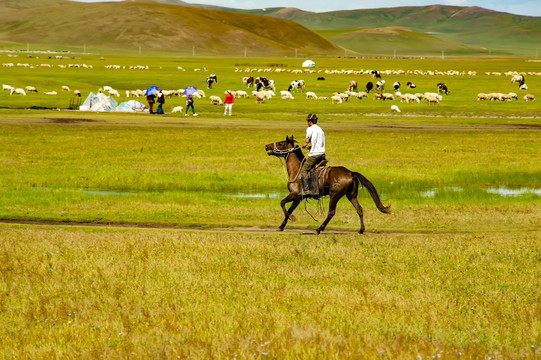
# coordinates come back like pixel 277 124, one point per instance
pixel 453 272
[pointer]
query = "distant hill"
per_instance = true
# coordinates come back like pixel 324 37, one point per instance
pixel 128 25
pixel 474 26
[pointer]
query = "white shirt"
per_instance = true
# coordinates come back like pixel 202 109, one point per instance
pixel 317 138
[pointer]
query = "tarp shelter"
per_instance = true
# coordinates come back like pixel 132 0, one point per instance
pixel 99 102
pixel 308 63
pixel 131 106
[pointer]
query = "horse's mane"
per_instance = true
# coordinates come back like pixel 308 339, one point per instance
pixel 299 154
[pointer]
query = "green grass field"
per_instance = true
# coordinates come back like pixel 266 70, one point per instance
pixel 452 272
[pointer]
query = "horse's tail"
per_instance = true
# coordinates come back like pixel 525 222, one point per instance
pixel 373 192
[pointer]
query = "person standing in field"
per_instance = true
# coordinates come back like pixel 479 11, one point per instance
pixel 160 101
pixel 189 104
pixel 316 137
pixel 151 99
pixel 229 100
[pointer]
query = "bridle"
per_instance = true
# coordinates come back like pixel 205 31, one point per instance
pixel 279 153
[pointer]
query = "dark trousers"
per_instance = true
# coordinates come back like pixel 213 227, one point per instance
pixel 160 109
pixel 309 163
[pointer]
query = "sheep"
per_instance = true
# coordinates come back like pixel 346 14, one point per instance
pixel 352 85
pixel 395 108
pixel 361 94
pixel 113 92
pixel 409 98
pixel 65 88
pixel 177 109
pixel 296 85
pixel 201 93
pixel 31 89
pixel 369 87
pixel 241 93
pixel 215 100
pixel 442 88
pixel 287 96
pixel 107 88
pixel 482 96
pixel 432 99
pixel 77 93
pixel 396 86
pixel 50 93
pixel 322 98
pixel 6 87
pixel 528 97
pixel 523 87
pixel 17 91
pixel 311 95
pixel 335 99
pixel 411 85
pixel 380 85
pixel 517 78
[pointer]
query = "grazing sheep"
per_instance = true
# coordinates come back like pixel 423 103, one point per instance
pixel 411 85
pixel 432 99
pixel 361 94
pixel 201 93
pixel 517 78
pixel 322 98
pixel 396 86
pixel 380 85
pixel 65 88
pixel 395 108
pixel 296 85
pixel 107 88
pixel 311 95
pixel 442 88
pixel 482 96
pixel 369 87
pixel 215 100
pixel 17 91
pixel 50 93
pixel 529 97
pixel 335 99
pixel 177 109
pixel 211 79
pixel 113 92
pixel 77 93
pixel 352 85
pixel 6 87
pixel 31 89
pixel 523 87
pixel 241 93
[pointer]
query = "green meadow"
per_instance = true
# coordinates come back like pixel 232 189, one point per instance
pixel 452 272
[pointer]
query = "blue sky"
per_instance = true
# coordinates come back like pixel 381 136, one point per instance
pixel 519 7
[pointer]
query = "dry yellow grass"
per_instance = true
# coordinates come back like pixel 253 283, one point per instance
pixel 80 293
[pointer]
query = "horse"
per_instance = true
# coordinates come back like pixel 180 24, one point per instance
pixel 336 181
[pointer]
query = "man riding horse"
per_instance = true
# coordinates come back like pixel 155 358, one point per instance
pixel 316 137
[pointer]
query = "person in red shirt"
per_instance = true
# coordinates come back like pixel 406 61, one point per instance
pixel 229 100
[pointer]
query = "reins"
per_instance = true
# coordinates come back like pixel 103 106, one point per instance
pixel 285 154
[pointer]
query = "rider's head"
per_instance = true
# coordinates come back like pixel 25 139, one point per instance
pixel 312 118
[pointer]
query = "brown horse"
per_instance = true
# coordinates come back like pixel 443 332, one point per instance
pixel 336 182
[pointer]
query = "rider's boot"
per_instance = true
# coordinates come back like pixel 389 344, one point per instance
pixel 305 187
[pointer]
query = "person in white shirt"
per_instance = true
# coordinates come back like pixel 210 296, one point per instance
pixel 316 137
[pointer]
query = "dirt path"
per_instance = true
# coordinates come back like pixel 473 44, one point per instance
pixel 252 229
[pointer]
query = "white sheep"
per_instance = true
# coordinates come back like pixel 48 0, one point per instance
pixel 65 88
pixel 77 93
pixel 6 87
pixel 241 93
pixel 50 93
pixel 395 108
pixel 31 88
pixel 311 95
pixel 285 95
pixel 17 91
pixel 215 100
pixel 114 92
pixel 529 97
pixel 335 99
pixel 201 93
pixel 177 109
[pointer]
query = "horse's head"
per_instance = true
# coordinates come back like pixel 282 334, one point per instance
pixel 281 148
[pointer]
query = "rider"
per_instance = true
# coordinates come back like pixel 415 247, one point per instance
pixel 315 136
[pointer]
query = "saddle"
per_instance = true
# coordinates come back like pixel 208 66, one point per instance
pixel 314 175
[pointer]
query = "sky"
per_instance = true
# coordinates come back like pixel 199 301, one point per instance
pixel 519 7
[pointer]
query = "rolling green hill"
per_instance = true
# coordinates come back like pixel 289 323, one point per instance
pixel 128 25
pixel 475 26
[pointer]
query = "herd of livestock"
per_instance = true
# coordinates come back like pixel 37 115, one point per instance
pixel 265 88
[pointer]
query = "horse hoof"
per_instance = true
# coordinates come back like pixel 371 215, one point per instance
pixel 292 217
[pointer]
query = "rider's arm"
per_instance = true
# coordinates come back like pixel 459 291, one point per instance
pixel 307 141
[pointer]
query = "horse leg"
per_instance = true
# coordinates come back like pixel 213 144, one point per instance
pixel 287 213
pixel 352 197
pixel 332 210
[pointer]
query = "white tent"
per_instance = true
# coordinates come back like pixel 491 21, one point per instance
pixel 131 106
pixel 100 102
pixel 308 63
